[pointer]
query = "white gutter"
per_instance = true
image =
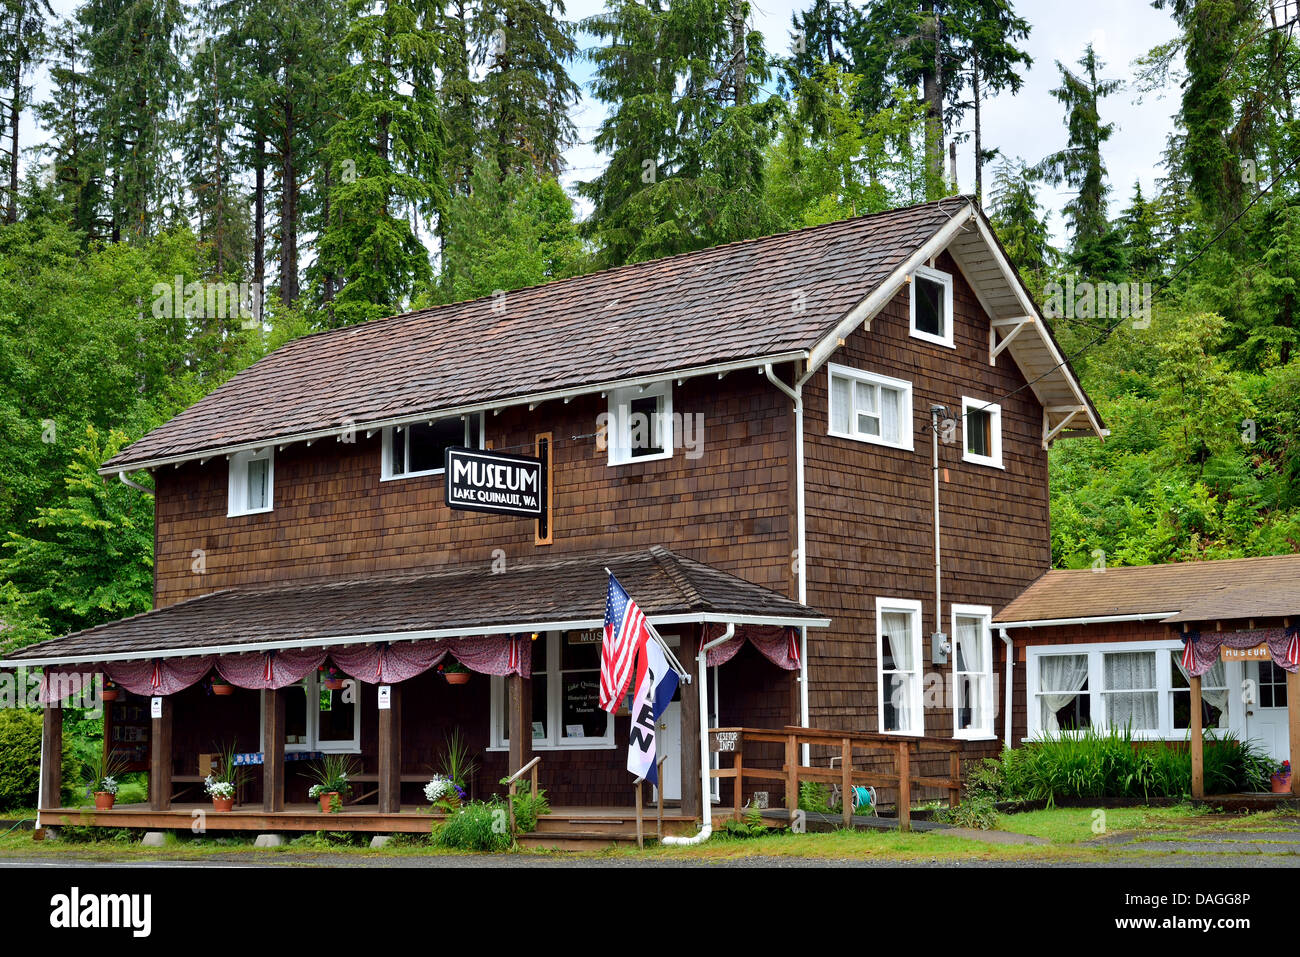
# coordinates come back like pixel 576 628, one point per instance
pixel 531 399
pixel 1094 620
pixel 706 785
pixel 431 633
pixel 135 485
pixel 796 395
pixel 1007 697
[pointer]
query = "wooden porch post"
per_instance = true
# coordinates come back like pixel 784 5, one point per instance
pixel 1198 740
pixel 390 753
pixel 520 705
pixel 273 750
pixel 51 795
pixel 160 757
pixel 692 798
pixel 1293 719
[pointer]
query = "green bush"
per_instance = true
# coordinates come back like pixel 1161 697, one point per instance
pixel 528 809
pixel 477 826
pixel 1094 765
pixel 20 757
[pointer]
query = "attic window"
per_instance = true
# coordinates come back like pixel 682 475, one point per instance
pixel 639 424
pixel 252 482
pixel 931 317
pixel 420 449
pixel 982 432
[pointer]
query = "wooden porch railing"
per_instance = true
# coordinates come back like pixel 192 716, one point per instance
pixel 904 749
pixel 513 781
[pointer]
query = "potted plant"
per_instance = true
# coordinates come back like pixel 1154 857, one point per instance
pixel 442 792
pixel 455 673
pixel 1282 778
pixel 104 780
pixel 331 677
pixel 111 691
pixel 220 686
pixel 223 782
pixel 332 776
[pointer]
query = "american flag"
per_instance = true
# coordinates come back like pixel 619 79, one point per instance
pixel 626 632
pixel 1293 648
pixel 1189 653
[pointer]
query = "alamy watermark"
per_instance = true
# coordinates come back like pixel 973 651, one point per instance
pixel 208 300
pixel 1098 300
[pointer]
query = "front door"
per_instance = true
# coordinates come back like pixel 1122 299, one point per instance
pixel 669 745
pixel 1266 714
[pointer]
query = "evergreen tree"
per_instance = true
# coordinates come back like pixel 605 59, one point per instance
pixel 1020 222
pixel 386 154
pixel 22 42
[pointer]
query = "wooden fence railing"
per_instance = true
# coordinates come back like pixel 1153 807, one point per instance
pixel 904 749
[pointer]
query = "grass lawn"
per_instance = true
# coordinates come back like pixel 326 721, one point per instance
pixel 1063 835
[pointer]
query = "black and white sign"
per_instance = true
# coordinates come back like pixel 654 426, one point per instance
pixel 385 697
pixel 486 481
pixel 155 706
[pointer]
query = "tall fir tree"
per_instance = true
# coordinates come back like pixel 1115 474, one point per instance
pixel 22 44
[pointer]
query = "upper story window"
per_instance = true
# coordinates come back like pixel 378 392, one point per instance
pixel 252 482
pixel 981 431
pixel 420 449
pixel 932 306
pixel 639 426
pixel 870 407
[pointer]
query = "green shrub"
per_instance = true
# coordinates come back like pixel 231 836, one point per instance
pixel 528 809
pixel 976 810
pixel 477 826
pixel 20 760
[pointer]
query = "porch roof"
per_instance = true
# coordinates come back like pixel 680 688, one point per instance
pixel 561 593
pixel 1176 592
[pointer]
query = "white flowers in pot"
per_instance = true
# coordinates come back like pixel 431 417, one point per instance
pixel 439 788
pixel 219 789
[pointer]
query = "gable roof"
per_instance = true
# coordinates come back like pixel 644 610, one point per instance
pixel 1180 591
pixel 458 601
pixel 774 299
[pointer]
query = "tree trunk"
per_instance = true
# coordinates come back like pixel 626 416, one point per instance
pixel 259 222
pixel 979 142
pixel 932 90
pixel 288 211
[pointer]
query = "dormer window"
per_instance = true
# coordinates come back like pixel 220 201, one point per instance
pixel 420 449
pixel 932 306
pixel 252 482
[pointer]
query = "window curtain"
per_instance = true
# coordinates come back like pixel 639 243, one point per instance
pixel 889 415
pixel 841 404
pixel 897 630
pixel 1060 678
pixel 1213 683
pixel 1137 710
pixel 973 659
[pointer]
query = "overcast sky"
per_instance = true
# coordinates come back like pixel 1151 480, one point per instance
pixel 1028 125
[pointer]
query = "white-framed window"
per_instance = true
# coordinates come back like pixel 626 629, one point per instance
pixel 1137 686
pixel 981 432
pixel 567 715
pixel 869 407
pixel 639 424
pixel 318 719
pixel 898 665
pixel 931 312
pixel 972 671
pixel 420 449
pixel 251 482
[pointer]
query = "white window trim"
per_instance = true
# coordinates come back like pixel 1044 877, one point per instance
pixel 995 432
pixel 985 613
pixel 1164 685
pixel 237 481
pixel 312 690
pixel 913 607
pixel 618 440
pixel 554 740
pixel 386 450
pixel 906 426
pixel 945 279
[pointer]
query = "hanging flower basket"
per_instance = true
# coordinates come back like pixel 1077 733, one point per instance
pixel 455 673
pixel 111 691
pixel 331 677
pixel 222 689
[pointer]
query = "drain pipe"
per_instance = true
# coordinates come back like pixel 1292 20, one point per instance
pixel 796 395
pixel 706 786
pixel 1007 697
pixel 135 485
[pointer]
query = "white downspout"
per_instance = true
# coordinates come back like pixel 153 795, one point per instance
pixel 796 395
pixel 135 485
pixel 1007 696
pixel 706 784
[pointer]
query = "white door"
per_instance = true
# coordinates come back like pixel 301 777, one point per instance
pixel 669 746
pixel 1266 714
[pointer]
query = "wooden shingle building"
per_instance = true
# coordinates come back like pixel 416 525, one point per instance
pixel 829 444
